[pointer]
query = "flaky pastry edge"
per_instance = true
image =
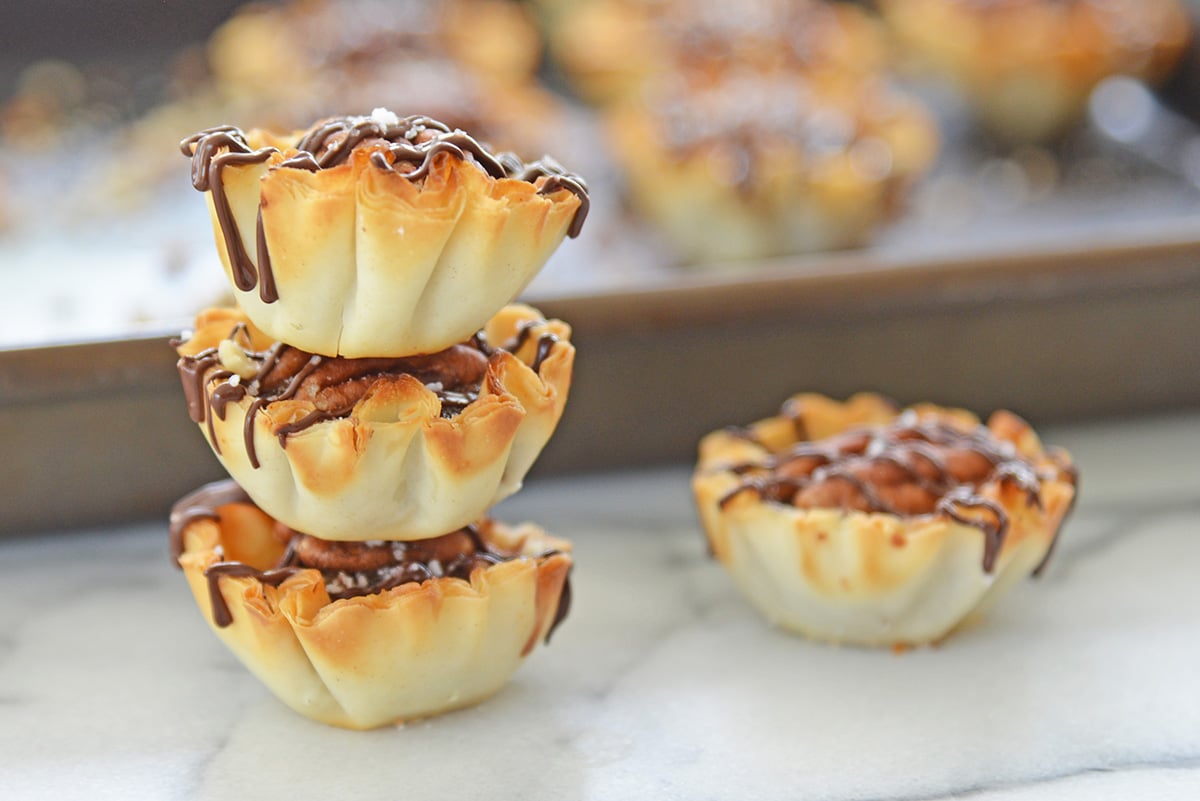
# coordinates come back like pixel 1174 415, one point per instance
pixel 394 468
pixel 414 651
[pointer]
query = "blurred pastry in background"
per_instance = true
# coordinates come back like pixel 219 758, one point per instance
pixel 1027 67
pixel 747 132
pixel 274 49
pixel 279 59
pixel 753 165
pixel 470 63
pixel 610 49
pixel 301 60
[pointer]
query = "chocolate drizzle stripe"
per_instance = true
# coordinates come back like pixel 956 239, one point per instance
pixel 211 407
pixel 919 451
pixel 993 532
pixel 256 406
pixel 414 140
pixel 220 608
pixel 192 370
pixel 545 343
pixel 201 504
pixel 267 290
pixel 308 420
pixel 208 163
pixel 283 370
pixel 558 180
pixel 564 603
pixel 396 563
pixel 862 486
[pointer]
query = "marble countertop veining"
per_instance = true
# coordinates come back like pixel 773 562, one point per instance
pixel 663 683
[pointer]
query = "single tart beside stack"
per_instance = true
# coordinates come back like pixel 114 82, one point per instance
pixel 373 395
pixel 865 524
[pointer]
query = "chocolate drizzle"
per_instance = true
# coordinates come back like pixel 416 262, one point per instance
pixel 564 603
pixel 335 384
pixel 203 370
pixel 545 343
pixel 201 505
pixel 211 151
pixel 557 178
pixel 911 468
pixel 348 569
pixel 218 570
pixel 395 140
pixel 404 145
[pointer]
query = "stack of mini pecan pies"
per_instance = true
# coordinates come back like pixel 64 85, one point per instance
pixel 372 396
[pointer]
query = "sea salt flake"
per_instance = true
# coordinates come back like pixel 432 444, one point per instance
pixel 384 117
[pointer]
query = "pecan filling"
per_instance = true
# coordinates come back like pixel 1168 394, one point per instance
pixel 363 568
pixel 910 468
pixel 349 569
pixel 333 385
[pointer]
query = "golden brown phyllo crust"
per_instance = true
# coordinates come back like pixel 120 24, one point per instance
pixel 378 448
pixel 862 522
pixel 452 621
pixel 378 235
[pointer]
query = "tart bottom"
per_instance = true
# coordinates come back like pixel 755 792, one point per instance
pixel 872 580
pixel 413 651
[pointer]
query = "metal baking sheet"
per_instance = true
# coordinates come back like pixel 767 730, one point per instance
pixel 97 432
pixel 1062 282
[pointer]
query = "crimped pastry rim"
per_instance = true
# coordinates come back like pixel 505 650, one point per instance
pixel 494 439
pixel 264 613
pixel 360 260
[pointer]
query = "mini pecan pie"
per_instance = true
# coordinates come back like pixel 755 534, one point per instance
pixel 754 165
pixel 1028 66
pixel 861 523
pixel 286 64
pixel 397 448
pixel 365 634
pixel 379 235
pixel 292 51
pixel 610 49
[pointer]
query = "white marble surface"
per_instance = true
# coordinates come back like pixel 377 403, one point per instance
pixel 663 683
